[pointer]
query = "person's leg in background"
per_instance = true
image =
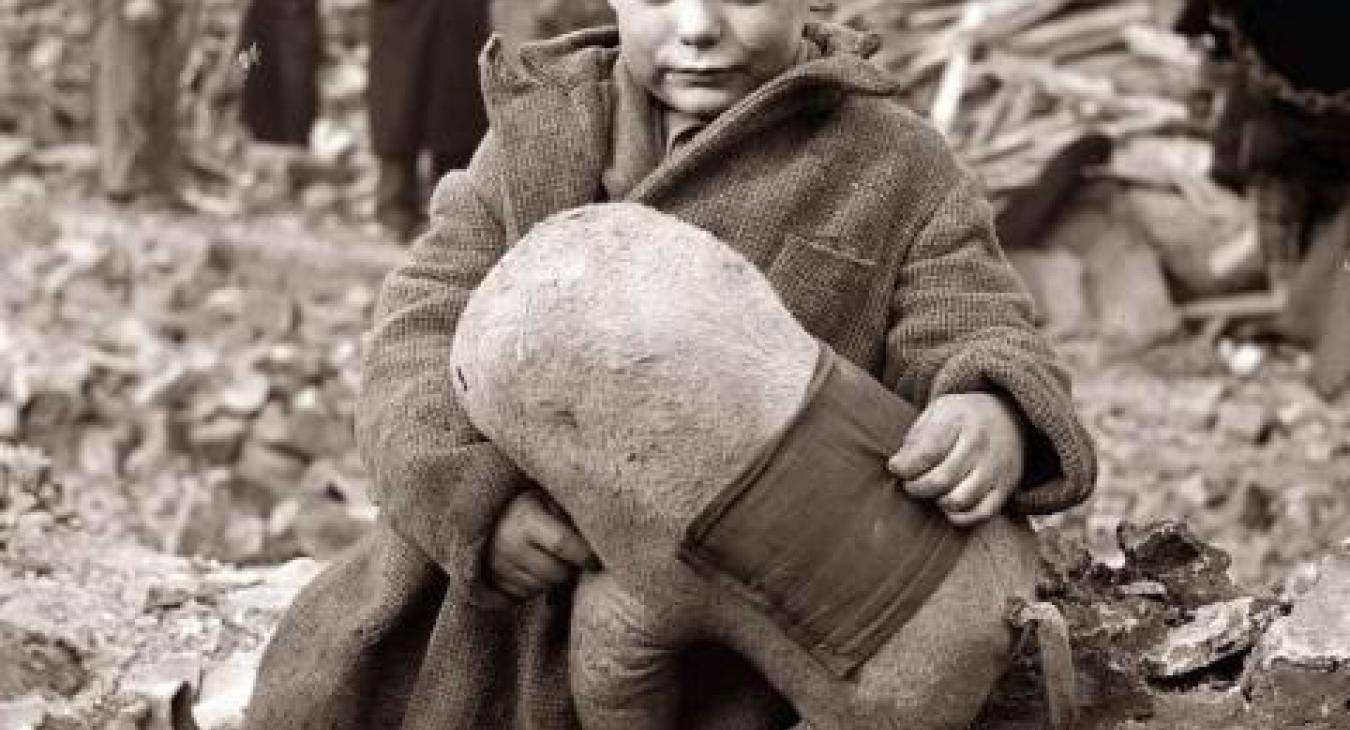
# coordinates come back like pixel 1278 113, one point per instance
pixel 456 119
pixel 402 34
pixel 281 88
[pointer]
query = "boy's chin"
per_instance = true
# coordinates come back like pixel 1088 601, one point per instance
pixel 702 103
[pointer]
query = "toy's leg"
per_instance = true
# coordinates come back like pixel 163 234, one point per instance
pixel 943 664
pixel 624 672
pixel 937 671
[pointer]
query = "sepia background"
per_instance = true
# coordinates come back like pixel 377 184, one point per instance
pixel 177 370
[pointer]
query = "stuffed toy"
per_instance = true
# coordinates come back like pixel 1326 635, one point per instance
pixel 728 469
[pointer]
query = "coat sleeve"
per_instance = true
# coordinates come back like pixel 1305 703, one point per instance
pixel 439 482
pixel 961 322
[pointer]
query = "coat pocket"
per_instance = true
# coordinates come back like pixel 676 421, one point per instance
pixel 823 284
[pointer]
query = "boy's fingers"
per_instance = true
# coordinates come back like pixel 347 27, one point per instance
pixel 966 495
pixel 926 445
pixel 543 568
pixel 557 538
pixel 955 466
pixel 990 505
pixel 512 581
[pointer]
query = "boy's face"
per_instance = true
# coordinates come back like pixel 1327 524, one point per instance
pixel 701 56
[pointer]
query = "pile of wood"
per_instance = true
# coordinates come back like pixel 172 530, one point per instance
pixel 1013 81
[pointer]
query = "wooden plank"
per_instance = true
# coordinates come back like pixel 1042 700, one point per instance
pixel 1247 304
pixel 954 77
pixel 1038 39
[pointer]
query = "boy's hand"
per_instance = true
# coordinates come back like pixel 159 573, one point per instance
pixel 965 451
pixel 534 548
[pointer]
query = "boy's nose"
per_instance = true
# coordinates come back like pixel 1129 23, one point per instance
pixel 698 22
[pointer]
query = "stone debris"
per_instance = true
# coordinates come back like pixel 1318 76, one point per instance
pixel 130 638
pixel 1299 675
pixel 1166 642
pixel 206 381
pixel 1247 420
pixel 1213 633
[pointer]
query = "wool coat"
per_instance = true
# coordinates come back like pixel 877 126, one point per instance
pixel 878 241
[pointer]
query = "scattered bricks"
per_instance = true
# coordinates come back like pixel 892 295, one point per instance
pixel 102 449
pixel 225 691
pixel 246 395
pixel 1056 279
pixel 9 421
pixel 27 712
pixel 1128 290
pixel 291 367
pixel 1196 404
pixel 172 383
pixel 332 512
pixel 23 470
pixel 309 427
pixel 1214 633
pixel 1299 675
pixel 1246 420
pixel 272 427
pixel 1194 572
pixel 34 662
pixel 217 441
pixel 315 429
pixel 275 470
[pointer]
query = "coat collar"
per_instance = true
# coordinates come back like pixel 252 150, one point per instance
pixel 549 104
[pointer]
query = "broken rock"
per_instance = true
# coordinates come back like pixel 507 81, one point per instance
pixel 33 662
pixel 1194 572
pixel 1214 633
pixel 1299 675
pixel 1246 420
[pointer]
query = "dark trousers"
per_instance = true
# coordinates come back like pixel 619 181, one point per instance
pixel 423 95
pixel 281 93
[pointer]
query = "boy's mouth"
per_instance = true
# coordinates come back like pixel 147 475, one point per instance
pixel 708 76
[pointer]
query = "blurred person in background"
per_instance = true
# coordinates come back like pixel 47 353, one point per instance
pixel 140 48
pixel 423 95
pixel 281 46
pixel 1284 134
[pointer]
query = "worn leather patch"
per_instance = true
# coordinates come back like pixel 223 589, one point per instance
pixel 819 535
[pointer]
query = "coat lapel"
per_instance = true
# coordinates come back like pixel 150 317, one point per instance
pixel 555 137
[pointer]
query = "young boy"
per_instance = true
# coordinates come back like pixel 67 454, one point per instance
pixel 776 135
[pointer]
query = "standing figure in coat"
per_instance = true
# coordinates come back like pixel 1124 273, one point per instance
pixel 779 137
pixel 423 95
pixel 281 90
pixel 141 46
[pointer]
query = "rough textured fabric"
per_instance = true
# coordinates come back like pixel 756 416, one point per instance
pixel 819 535
pixel 877 240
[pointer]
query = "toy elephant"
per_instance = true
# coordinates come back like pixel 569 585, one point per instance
pixel 729 471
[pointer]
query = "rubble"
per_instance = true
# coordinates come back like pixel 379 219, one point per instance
pixel 185 376
pixel 1300 673
pixel 1213 633
pixel 1165 641
pixel 127 635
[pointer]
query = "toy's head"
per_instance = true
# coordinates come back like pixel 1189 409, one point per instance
pixel 619 353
